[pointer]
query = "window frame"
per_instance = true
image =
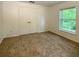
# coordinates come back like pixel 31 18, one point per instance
pixel 60 21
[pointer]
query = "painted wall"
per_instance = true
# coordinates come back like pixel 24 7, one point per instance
pixel 0 22
pixel 12 18
pixel 54 20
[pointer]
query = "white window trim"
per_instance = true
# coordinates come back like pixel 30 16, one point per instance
pixel 71 32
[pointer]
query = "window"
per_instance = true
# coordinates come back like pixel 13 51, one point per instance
pixel 68 20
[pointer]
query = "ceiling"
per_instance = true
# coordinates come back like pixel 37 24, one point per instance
pixel 44 3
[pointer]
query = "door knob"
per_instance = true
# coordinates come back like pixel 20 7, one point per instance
pixel 28 22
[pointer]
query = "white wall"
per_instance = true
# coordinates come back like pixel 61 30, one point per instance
pixel 1 22
pixel 12 18
pixel 54 20
pixel 0 19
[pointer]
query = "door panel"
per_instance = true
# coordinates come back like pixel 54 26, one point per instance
pixel 25 21
pixel 24 27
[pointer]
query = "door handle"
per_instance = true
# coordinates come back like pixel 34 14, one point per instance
pixel 28 22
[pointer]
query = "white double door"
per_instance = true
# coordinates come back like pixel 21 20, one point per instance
pixel 30 22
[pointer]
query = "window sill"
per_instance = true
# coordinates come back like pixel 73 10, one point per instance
pixel 71 32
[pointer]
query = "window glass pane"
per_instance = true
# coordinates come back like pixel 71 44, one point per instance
pixel 69 25
pixel 68 19
pixel 69 13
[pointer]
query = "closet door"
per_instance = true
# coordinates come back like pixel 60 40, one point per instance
pixel 31 20
pixel 25 21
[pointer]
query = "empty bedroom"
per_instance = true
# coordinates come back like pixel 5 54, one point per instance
pixel 39 28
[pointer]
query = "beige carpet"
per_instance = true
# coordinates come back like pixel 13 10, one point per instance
pixel 39 44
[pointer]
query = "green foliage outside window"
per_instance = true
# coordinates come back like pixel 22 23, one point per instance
pixel 68 19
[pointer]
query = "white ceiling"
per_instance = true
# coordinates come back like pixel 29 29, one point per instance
pixel 45 3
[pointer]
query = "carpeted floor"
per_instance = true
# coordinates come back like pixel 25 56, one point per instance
pixel 39 44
